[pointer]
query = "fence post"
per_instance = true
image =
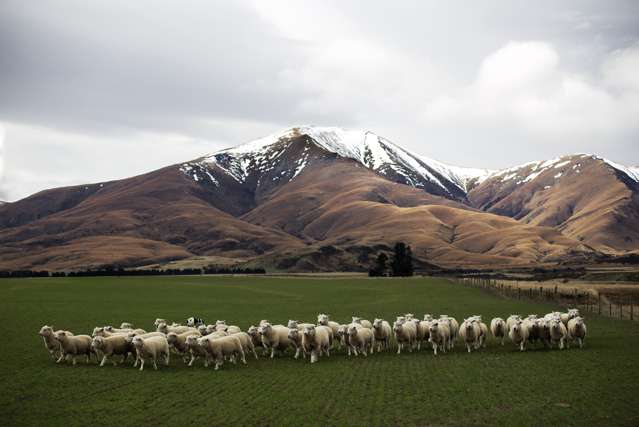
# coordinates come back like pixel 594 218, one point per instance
pixel 610 309
pixel 631 309
pixel 620 310
pixel 518 292
pixel 599 301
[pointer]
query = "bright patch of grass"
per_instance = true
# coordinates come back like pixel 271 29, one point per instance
pixel 598 385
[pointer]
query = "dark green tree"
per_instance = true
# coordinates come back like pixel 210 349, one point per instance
pixel 380 267
pixel 402 262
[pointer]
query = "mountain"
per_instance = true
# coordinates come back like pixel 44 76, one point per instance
pixel 586 197
pixel 325 198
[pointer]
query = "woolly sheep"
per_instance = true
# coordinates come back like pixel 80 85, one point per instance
pixel 152 347
pixel 365 323
pixel 511 320
pixel 421 332
pixel 498 329
pixel 108 347
pixel 218 348
pixel 571 314
pixel 518 334
pixel 254 333
pixel 361 339
pixel 126 325
pixel 428 317
pixel 405 335
pixel 322 319
pixel 73 345
pixel 453 325
pixel 470 332
pixel 295 336
pixel 165 329
pixel 52 345
pixel 195 351
pixel 245 340
pixel 382 332
pixel 315 340
pixel 178 343
pixel 577 330
pixel 558 333
pixel 439 335
pixel 274 337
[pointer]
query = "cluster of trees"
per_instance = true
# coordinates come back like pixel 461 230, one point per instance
pixel 118 271
pixel 401 263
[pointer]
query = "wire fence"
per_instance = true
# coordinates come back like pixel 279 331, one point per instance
pixel 586 300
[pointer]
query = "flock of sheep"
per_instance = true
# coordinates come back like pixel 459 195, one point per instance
pixel 219 342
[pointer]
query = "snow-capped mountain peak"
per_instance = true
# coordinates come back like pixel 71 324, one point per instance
pixel 365 147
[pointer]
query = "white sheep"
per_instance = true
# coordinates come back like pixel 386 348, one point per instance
pixel 470 332
pixel 453 326
pixel 274 337
pixel 247 343
pixel 511 320
pixel 405 335
pixel 178 343
pixel 195 350
pixel 382 332
pixel 165 329
pixel 73 346
pixel 439 335
pixel 571 314
pixel 518 334
pixel 365 323
pixel 421 332
pixel 152 347
pixel 498 329
pixel 111 346
pixel 558 333
pixel 315 340
pixel 126 325
pixel 428 317
pixel 322 319
pixel 361 339
pixel 295 336
pixel 52 345
pixel 577 330
pixel 254 333
pixel 218 348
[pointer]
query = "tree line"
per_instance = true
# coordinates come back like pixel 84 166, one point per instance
pixel 401 263
pixel 117 271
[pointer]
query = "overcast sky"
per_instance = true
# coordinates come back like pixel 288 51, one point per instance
pixel 91 91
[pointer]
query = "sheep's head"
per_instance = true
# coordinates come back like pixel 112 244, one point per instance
pixel 171 338
pixel 356 319
pixel 352 330
pixel 126 325
pixel 433 326
pixel 252 331
pixel 162 327
pixel 97 342
pixel 108 328
pixel 342 330
pixel 309 331
pixel 322 319
pixel 400 319
pixel 292 324
pixel 516 326
pixel 409 316
pixel 469 326
pixel 293 334
pixel 220 322
pixel 61 335
pixel 265 328
pixel 46 331
pixel 397 326
pixel 191 340
pixel 377 323
pixel 138 342
pixel 202 329
pixel 190 321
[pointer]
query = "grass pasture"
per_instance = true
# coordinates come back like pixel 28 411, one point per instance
pixel 598 385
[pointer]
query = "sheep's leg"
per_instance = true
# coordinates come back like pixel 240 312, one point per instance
pixel 166 359
pixel 74 361
pixel 581 342
pixel 254 353
pixel 155 364
pixel 272 352
pixel 297 353
pixel 468 347
pixel 435 349
pixel 62 357
pixel 243 358
pixel 354 350
pixel 399 348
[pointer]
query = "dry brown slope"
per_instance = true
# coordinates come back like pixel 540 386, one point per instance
pixel 358 208
pixel 581 195
pixel 160 214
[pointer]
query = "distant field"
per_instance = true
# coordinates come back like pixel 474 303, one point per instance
pixel 598 385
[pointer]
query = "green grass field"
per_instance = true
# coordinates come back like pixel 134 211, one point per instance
pixel 598 385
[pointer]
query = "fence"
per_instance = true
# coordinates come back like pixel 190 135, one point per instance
pixel 586 300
